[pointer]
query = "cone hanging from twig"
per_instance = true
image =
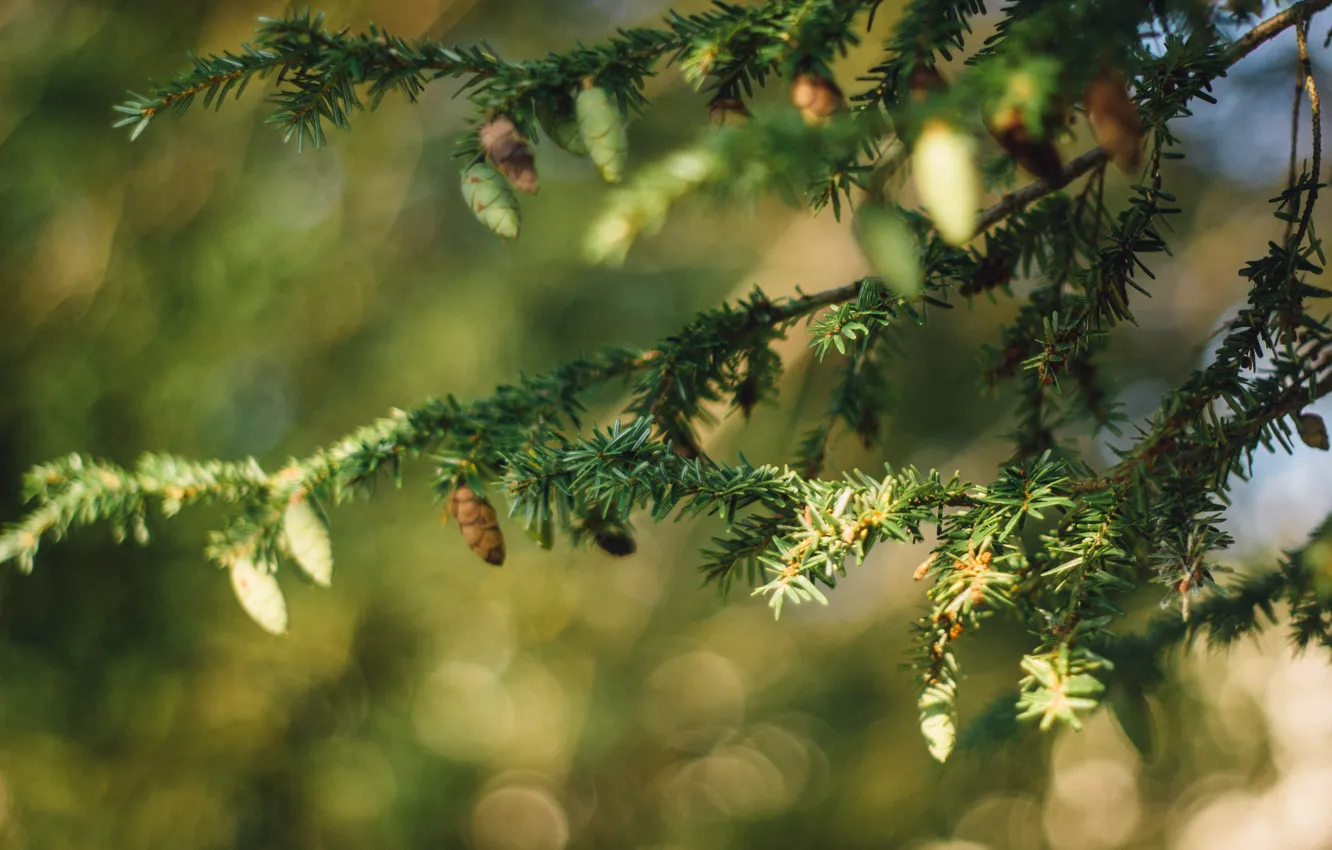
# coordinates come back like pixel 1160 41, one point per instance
pixel 615 542
pixel 490 199
pixel 558 119
pixel 816 97
pixel 601 127
pixel 510 153
pixel 1037 155
pixel 946 177
pixel 479 524
pixel 994 271
pixel 1114 118
pixel 1024 124
pixel 727 110
pixel 305 537
pixel 1313 431
pixel 891 248
pixel 923 80
pixel 258 592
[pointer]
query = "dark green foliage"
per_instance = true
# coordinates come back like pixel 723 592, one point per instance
pixel 1049 542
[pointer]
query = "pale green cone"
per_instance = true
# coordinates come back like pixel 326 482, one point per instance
pixel 891 249
pixel 561 126
pixel 306 539
pixel 491 200
pixel 602 129
pixel 258 593
pixel 947 181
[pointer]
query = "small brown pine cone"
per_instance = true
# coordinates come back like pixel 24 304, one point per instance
pixel 510 153
pixel 479 524
pixel 727 110
pixel 1313 431
pixel 1114 117
pixel 615 542
pixel 1037 156
pixel 993 272
pixel 817 98
pixel 924 79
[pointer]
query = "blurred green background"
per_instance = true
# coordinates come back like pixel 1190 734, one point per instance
pixel 208 291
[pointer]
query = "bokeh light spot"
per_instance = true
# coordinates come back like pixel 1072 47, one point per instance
pixel 518 818
pixel 691 700
pixel 463 711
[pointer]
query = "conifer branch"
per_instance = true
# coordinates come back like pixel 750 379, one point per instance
pixel 1024 197
pixel 80 490
pixel 1047 542
pixel 1274 26
pixel 1310 86
pixel 318 70
pixel 1137 662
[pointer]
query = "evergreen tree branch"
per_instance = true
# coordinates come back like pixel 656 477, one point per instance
pixel 356 459
pixel 1273 27
pixel 81 491
pixel 1136 662
pixel 1310 86
pixel 318 70
pixel 1046 541
pixel 808 529
pixel 76 490
pixel 1011 203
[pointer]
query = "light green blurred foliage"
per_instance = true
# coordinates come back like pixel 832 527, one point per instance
pixel 208 291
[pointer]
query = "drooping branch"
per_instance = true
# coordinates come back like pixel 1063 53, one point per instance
pixel 318 71
pixel 1154 516
pixel 80 490
pixel 356 459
